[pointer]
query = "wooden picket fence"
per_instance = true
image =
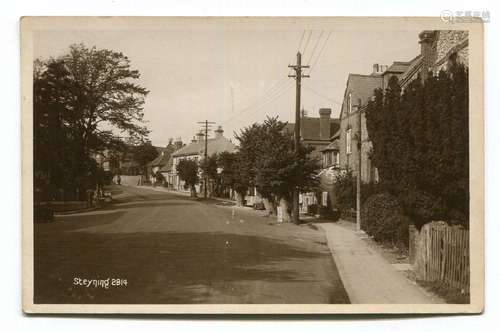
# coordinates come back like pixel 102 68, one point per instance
pixel 442 254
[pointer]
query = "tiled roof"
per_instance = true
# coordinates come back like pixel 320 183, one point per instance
pixel 361 88
pixel 411 71
pixel 215 145
pixel 163 156
pixel 332 146
pixel 309 128
pixel 168 166
pixel 336 135
pixel 398 67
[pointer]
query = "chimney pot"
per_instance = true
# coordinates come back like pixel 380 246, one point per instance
pixel 219 132
pixel 324 123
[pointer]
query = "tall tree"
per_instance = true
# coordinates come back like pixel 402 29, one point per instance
pixel 208 167
pixel 420 144
pixel 276 169
pixel 144 153
pixel 188 172
pixel 231 175
pixel 83 102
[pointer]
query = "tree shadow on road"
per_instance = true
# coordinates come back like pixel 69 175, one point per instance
pixel 170 267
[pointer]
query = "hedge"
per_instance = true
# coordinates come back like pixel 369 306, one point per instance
pixel 382 217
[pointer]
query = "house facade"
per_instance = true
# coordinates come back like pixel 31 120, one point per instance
pixel 196 151
pixel 162 160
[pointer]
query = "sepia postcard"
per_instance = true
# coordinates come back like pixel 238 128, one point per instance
pixel 257 165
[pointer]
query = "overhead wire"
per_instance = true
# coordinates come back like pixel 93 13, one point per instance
pixel 320 53
pixel 315 47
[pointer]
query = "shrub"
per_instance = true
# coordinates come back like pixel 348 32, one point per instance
pixel 344 190
pixel 382 217
pixel 370 189
pixel 312 209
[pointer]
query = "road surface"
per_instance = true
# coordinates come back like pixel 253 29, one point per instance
pixel 161 248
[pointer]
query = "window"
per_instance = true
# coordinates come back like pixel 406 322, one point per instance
pixel 348 141
pixel 336 158
pixel 349 104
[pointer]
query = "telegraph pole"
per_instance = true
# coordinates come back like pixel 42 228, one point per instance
pixel 298 79
pixel 358 178
pixel 206 123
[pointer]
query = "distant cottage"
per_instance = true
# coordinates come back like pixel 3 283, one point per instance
pixel 196 151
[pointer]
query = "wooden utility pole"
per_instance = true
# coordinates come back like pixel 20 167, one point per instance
pixel 298 79
pixel 205 180
pixel 358 178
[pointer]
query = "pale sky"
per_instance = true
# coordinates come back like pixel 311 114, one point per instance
pixel 224 73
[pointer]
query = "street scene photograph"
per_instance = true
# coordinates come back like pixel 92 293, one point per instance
pixel 250 161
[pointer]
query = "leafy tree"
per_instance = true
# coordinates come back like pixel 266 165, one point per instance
pixel 420 145
pixel 144 153
pixel 208 167
pixel 273 165
pixel 81 99
pixel 231 174
pixel 345 190
pixel 187 170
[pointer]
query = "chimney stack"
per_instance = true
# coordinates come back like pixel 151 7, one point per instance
pixel 219 132
pixel 324 123
pixel 378 68
pixel 426 50
pixel 178 143
pixel 200 136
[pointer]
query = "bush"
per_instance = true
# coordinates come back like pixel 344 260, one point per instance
pixel 382 217
pixel 312 209
pixel 107 178
pixel 370 189
pixel 348 215
pixel 344 190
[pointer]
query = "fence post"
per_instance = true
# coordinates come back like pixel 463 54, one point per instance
pixel 411 245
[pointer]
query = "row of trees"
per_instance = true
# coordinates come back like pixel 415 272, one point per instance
pixel 266 160
pixel 421 146
pixel 84 102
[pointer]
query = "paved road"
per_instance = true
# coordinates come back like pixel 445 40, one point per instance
pixel 173 249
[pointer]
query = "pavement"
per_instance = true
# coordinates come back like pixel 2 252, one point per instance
pixel 155 247
pixel 367 276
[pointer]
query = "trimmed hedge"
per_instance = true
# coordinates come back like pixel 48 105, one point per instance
pixel 382 217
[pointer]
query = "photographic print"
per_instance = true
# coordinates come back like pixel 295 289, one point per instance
pixel 252 165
